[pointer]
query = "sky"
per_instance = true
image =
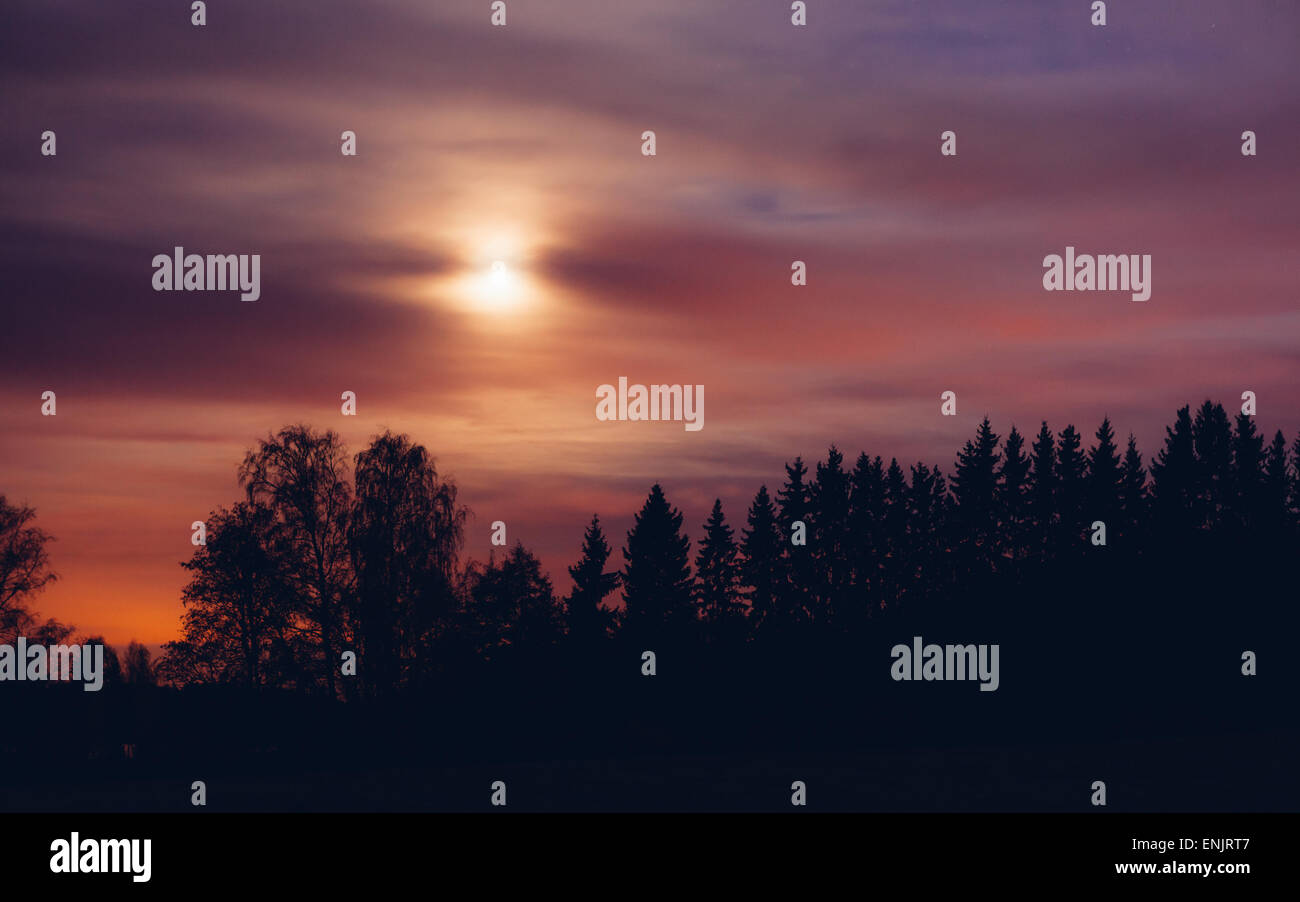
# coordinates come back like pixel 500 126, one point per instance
pixel 521 145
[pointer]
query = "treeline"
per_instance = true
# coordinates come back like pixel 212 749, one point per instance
pixel 323 556
pixel 25 571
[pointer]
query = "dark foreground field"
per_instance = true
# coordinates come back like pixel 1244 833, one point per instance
pixel 1245 773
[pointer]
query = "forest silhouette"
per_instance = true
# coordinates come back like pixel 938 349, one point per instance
pixel 763 646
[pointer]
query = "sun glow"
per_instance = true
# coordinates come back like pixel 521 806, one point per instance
pixel 493 277
pixel 496 289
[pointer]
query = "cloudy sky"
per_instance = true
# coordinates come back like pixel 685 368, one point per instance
pixel 521 144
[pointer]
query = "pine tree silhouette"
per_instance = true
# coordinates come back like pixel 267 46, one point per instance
pixel 1276 491
pixel 940 577
pixel 588 621
pixel 657 575
pixel 925 532
pixel 540 620
pixel 1071 491
pixel 974 485
pixel 1012 495
pixel 717 572
pixel 1212 445
pixel 1246 490
pixel 1042 494
pixel 1173 480
pixel 760 568
pixel 797 561
pixel 1293 499
pixel 829 502
pixel 1134 498
pixel 894 546
pixel 1104 478
pixel 514 606
pixel 866 524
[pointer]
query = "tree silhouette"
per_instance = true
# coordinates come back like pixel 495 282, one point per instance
pixel 463 663
pixel 405 532
pixel 587 620
pixel 1212 446
pixel 112 665
pixel 1246 490
pixel 893 577
pixel 1173 479
pixel 974 486
pixel 926 527
pixel 238 602
pixel 657 574
pixel 717 573
pixel 46 632
pixel 866 523
pixel 136 668
pixel 513 605
pixel 1276 490
pixel 186 663
pixel 1294 497
pixel 1012 494
pixel 1133 496
pixel 794 504
pixel 830 540
pixel 24 567
pixel 880 542
pixel 1042 492
pixel 300 476
pixel 760 567
pixel 1071 490
pixel 1104 479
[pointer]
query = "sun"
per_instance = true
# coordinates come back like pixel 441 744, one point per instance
pixel 497 289
pixel 499 276
pixel 496 279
